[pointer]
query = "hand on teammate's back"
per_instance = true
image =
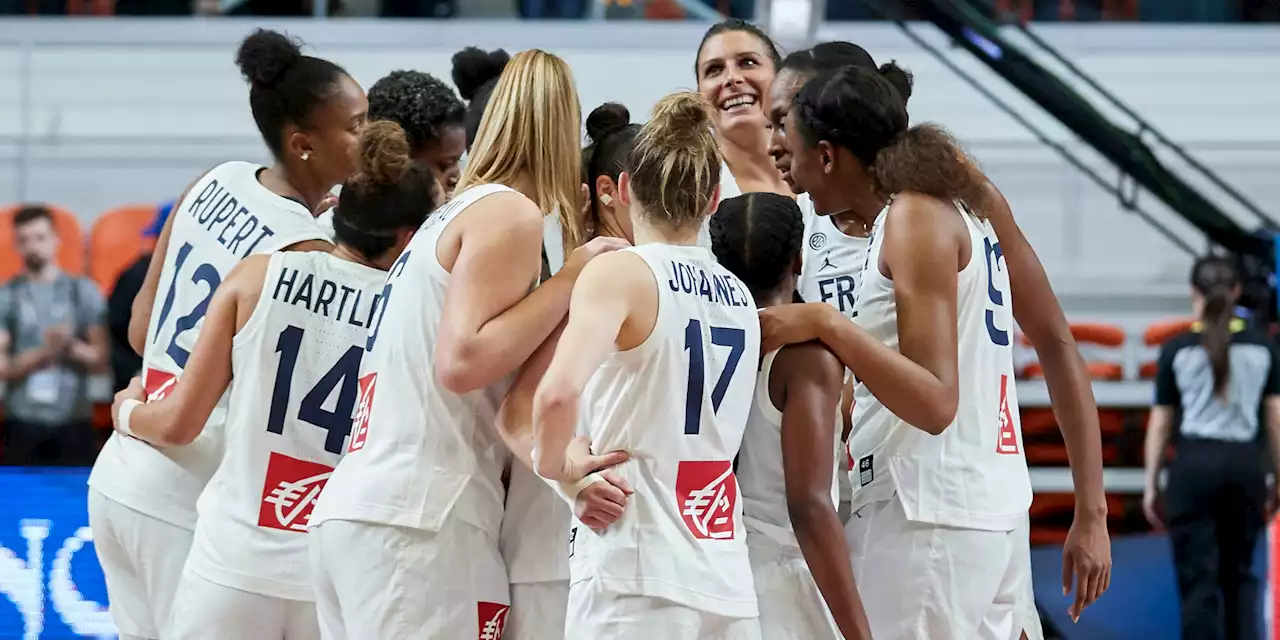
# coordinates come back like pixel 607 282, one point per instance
pixel 602 502
pixel 786 324
pixel 132 392
pixel 594 247
pixel 1086 563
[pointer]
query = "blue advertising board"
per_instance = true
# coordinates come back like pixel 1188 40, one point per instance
pixel 51 584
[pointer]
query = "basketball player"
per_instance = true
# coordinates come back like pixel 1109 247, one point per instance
pixel 940 464
pixel 248 575
pixel 835 244
pixel 660 346
pixel 405 539
pixel 535 524
pixel 787 469
pixel 142 500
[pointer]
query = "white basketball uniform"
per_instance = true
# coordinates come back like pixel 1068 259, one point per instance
pixel 945 514
pixel 405 538
pixel 832 265
pixel 295 378
pixel 144 497
pixel 791 607
pixel 535 529
pixel 675 565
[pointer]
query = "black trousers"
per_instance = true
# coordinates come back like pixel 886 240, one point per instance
pixel 40 445
pixel 1215 507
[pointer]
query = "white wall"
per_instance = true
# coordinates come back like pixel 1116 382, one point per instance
pixel 99 113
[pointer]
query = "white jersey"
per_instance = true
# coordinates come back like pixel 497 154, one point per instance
pixel 295 369
pixel 419 453
pixel 535 521
pixel 832 264
pixel 974 474
pixel 678 404
pixel 226 216
pixel 761 476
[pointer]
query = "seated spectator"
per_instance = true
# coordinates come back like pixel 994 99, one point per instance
pixel 52 337
pixel 125 362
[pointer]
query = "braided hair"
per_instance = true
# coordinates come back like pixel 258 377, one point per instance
pixel 758 237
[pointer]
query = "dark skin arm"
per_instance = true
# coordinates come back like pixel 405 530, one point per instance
pixel 1086 559
pixel 806 381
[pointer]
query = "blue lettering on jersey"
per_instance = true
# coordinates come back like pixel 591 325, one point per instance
pixel 994 255
pixel 840 289
pixel 215 207
pixel 693 280
pixel 320 299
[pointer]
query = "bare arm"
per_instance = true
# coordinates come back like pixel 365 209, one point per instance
pixel 90 353
pixel 140 317
pixel 1273 432
pixel 1040 316
pixel 812 398
pixel 602 301
pixel 515 417
pixel 24 364
pixel 180 417
pixel 1159 428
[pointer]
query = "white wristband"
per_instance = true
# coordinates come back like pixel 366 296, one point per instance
pixel 126 410
pixel 570 490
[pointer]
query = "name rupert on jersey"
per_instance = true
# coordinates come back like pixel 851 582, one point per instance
pixel 694 280
pixel 219 212
pixel 327 298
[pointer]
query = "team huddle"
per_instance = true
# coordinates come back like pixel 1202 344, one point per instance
pixel 741 371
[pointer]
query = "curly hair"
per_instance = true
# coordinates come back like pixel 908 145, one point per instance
pixel 757 237
pixel 419 102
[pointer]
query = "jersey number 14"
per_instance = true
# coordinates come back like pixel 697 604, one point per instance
pixel 344 375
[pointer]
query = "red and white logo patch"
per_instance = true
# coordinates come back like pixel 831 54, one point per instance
pixel 290 491
pixel 493 618
pixel 364 406
pixel 1007 441
pixel 158 384
pixel 707 493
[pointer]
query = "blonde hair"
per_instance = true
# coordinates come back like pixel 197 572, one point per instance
pixel 675 164
pixel 531 124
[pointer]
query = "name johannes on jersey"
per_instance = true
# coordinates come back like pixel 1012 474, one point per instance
pixel 214 206
pixel 695 280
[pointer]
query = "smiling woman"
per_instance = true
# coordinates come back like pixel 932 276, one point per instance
pixel 735 66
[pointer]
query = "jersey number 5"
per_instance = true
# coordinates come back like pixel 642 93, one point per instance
pixel 736 340
pixel 344 375
pixel 993 257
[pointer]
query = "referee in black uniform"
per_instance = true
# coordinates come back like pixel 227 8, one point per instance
pixel 1219 383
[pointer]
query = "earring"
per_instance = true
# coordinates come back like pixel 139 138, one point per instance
pixel 606 200
pixel 305 155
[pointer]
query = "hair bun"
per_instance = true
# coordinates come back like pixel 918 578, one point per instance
pixel 265 55
pixel 606 119
pixel 474 67
pixel 682 116
pixel 900 78
pixel 384 153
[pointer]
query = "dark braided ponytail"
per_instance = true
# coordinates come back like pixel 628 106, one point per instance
pixel 758 237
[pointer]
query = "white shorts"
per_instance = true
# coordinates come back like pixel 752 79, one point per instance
pixel 537 610
pixel 142 560
pixel 204 610
pixel 595 613
pixel 791 607
pixel 922 580
pixel 382 581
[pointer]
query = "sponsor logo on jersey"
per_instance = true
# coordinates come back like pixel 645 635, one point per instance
pixel 493 618
pixel 364 406
pixel 866 470
pixel 707 492
pixel 289 492
pixel 158 384
pixel 817 241
pixel 1007 441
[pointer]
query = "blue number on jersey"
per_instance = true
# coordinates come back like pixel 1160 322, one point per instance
pixel 205 273
pixel 736 340
pixel 993 257
pixel 385 298
pixel 346 372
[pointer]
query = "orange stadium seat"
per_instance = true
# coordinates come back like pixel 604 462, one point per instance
pixel 1158 334
pixel 116 242
pixel 1089 333
pixel 70 253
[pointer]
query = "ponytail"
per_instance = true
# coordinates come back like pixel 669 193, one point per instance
pixel 1215 278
